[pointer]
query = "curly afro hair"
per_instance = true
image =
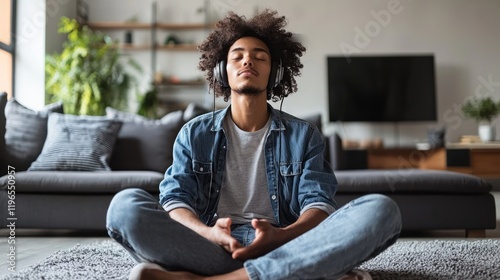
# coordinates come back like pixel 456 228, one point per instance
pixel 266 26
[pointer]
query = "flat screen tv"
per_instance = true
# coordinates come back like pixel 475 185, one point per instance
pixel 395 88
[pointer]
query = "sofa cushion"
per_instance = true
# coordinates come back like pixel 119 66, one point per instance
pixel 25 133
pixel 83 182
pixel 144 144
pixel 3 102
pixel 193 110
pixel 409 181
pixel 78 143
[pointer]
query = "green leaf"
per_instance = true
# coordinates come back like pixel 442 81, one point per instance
pixel 88 75
pixel 481 109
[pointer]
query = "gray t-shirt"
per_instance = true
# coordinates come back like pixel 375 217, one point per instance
pixel 244 193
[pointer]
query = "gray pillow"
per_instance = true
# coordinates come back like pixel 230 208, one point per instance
pixel 145 144
pixel 3 102
pixel 77 143
pixel 25 133
pixel 193 110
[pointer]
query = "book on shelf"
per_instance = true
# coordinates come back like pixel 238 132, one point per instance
pixel 470 139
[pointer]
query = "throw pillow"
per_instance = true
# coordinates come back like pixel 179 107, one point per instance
pixel 77 143
pixel 193 110
pixel 3 102
pixel 25 132
pixel 145 144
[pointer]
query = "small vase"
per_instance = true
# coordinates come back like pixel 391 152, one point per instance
pixel 486 132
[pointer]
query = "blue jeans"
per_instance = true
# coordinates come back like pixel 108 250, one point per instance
pixel 353 234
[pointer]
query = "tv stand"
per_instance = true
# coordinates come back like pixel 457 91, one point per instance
pixel 476 159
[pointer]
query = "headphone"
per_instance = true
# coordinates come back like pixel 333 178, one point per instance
pixel 275 77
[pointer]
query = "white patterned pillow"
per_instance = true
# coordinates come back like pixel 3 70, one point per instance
pixel 77 143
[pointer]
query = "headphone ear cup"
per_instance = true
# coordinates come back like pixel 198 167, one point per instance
pixel 220 73
pixel 276 75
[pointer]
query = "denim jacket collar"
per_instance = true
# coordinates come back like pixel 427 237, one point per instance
pixel 276 122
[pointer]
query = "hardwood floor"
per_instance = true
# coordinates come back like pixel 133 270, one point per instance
pixel 32 246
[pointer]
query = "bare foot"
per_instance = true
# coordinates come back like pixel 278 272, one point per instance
pixel 151 271
pixel 357 274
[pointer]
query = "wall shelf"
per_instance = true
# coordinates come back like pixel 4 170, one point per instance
pixel 142 25
pixel 148 47
pixel 178 47
pixel 119 25
pixel 194 83
pixel 187 26
pixel 155 46
pixel 134 47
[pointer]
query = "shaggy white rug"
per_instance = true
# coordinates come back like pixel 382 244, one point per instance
pixel 406 260
pixel 433 260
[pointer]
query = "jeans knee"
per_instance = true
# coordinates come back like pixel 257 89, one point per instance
pixel 384 202
pixel 123 207
pixel 386 208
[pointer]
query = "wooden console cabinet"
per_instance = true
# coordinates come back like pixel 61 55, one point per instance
pixel 481 160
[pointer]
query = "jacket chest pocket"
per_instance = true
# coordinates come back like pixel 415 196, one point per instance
pixel 203 173
pixel 290 174
pixel 202 168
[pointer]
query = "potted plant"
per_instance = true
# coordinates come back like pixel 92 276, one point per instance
pixel 89 74
pixel 483 110
pixel 148 104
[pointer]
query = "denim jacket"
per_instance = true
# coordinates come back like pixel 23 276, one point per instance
pixel 301 178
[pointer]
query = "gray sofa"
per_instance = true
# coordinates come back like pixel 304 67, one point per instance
pixel 78 200
pixel 428 199
pixel 64 195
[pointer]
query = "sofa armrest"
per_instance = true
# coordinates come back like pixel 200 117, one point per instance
pixel 341 159
pixel 3 121
pixel 334 152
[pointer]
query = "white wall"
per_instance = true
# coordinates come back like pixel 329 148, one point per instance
pixel 463 35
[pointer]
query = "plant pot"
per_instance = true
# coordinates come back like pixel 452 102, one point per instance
pixel 486 132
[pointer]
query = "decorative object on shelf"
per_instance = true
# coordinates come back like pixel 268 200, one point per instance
pixel 469 139
pixel 371 143
pixel 133 19
pixel 483 110
pixel 159 77
pixel 148 104
pixel 88 75
pixel 423 146
pixel 128 37
pixel 176 81
pixel 435 136
pixel 171 40
pixel 486 132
